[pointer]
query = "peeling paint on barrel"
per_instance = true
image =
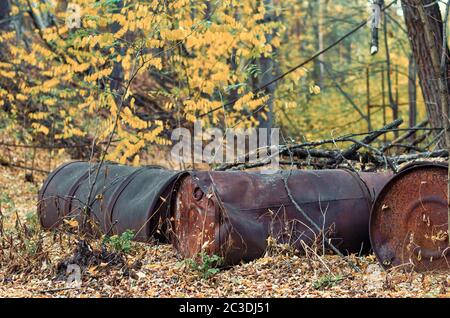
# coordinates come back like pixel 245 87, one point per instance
pixel 237 212
pixel 408 226
pixel 195 218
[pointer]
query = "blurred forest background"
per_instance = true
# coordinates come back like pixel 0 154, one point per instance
pixel 143 68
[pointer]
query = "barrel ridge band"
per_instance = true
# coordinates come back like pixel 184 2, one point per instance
pixel 52 175
pixel 174 186
pixel 363 186
pixel 74 188
pixel 177 179
pixel 152 224
pixel 115 196
pixel 168 187
pixel 418 164
pixel 41 193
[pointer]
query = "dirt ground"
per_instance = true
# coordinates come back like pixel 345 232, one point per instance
pixel 34 264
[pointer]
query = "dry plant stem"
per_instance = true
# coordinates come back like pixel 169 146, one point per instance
pixel 110 138
pixel 316 226
pixel 45 291
pixel 126 89
pixel 297 206
pixel 306 247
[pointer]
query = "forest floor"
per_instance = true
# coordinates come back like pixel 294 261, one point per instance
pixel 33 264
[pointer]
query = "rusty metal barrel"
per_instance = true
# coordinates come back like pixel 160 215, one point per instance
pixel 409 221
pixel 122 198
pixel 233 214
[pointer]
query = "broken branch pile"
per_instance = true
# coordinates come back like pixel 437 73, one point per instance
pixel 363 153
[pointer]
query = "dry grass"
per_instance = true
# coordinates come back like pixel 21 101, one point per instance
pixel 32 264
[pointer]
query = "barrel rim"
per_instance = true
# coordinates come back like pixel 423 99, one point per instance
pixel 402 172
pixel 47 182
pixel 125 183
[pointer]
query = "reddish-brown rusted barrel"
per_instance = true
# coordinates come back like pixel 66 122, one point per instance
pixel 408 226
pixel 233 214
pixel 122 198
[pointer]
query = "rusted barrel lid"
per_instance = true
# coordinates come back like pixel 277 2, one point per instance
pixel 408 225
pixel 196 219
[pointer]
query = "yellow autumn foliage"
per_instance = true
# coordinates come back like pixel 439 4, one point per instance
pixel 141 69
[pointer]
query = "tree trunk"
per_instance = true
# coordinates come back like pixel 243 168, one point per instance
pixel 423 54
pixel 412 93
pixel 318 12
pixel 432 58
pixel 321 36
pixel 392 102
pixel 117 75
pixel 4 15
pixel 269 69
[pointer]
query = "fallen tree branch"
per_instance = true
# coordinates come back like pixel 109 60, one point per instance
pixel 424 155
pixel 16 166
pixel 366 141
pixel 405 136
pixel 43 146
pixel 306 154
